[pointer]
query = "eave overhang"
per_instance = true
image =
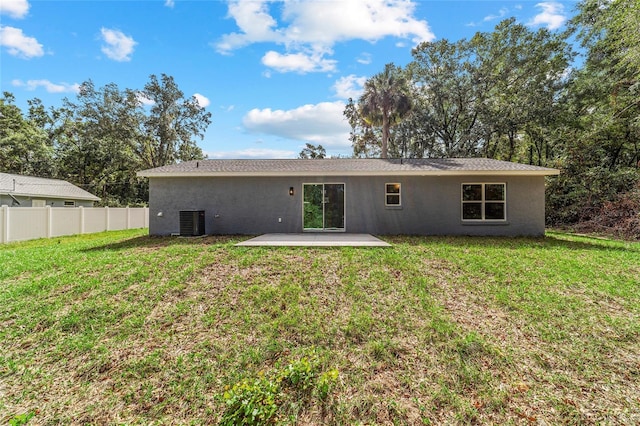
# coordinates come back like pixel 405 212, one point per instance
pixel 56 197
pixel 302 173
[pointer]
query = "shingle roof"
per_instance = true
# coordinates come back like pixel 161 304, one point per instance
pixel 30 186
pixel 346 167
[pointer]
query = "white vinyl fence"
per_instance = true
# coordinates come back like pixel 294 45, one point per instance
pixel 29 223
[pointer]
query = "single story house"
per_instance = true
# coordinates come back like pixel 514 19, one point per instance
pixel 29 191
pixel 456 196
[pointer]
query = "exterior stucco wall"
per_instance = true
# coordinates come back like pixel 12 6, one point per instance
pixel 54 202
pixel 430 205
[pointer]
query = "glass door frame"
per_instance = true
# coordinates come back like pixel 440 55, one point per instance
pixel 344 207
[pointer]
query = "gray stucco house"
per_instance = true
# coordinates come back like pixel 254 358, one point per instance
pixel 29 191
pixel 458 196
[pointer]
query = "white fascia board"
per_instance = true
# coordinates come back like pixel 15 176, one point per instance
pixel 57 197
pixel 547 172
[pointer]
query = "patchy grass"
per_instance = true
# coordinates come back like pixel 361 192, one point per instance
pixel 121 328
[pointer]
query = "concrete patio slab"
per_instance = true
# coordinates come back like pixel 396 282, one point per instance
pixel 314 239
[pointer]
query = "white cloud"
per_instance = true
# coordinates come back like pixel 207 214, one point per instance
pixel 119 46
pixel 48 86
pixel 298 62
pixel 144 100
pixel 313 27
pixel 169 3
pixel 16 9
pixel 501 14
pixel 552 15
pixel 364 59
pixel 350 86
pixel 252 153
pixel 19 44
pixel 321 123
pixel 315 22
pixel 255 23
pixel 202 100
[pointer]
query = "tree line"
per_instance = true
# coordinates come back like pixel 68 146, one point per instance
pixel 513 94
pixel 100 139
pixel 517 94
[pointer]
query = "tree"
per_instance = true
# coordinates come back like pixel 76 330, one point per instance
pixel 23 145
pixel 600 132
pixel 609 30
pixel 522 74
pixel 95 147
pixel 100 139
pixel 491 94
pixel 450 93
pixel 311 151
pixel 364 138
pixel 385 101
pixel 171 125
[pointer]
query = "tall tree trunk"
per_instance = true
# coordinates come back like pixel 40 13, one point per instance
pixel 385 136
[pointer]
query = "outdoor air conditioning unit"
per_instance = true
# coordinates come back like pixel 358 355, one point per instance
pixel 191 223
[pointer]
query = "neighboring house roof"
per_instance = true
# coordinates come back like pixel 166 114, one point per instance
pixel 347 167
pixel 29 186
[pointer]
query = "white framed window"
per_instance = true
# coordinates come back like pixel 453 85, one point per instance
pixel 392 194
pixel 69 203
pixel 484 201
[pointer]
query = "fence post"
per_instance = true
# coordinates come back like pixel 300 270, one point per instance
pixel 5 224
pixel 48 210
pixel 106 215
pixel 128 217
pixel 81 220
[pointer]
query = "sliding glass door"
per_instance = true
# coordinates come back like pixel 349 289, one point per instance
pixel 323 207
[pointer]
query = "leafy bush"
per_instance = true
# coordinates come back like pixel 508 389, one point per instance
pixel 269 397
pixel 21 419
pixel 619 218
pixel 577 197
pixel 252 402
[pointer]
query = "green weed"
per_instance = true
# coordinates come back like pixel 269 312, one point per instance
pixel 276 395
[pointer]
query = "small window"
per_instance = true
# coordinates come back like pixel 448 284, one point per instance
pixel 68 203
pixel 392 194
pixel 38 203
pixel 483 201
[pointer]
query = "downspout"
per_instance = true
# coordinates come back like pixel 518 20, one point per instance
pixel 15 200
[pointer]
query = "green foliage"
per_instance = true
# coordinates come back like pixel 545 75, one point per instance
pixel 171 125
pixel 327 382
pixel 21 419
pixel 599 131
pixel 493 96
pixel 313 216
pixel 264 400
pixel 251 402
pixel 514 94
pixel 312 152
pixel 24 148
pixel 385 102
pixel 312 205
pixel 100 139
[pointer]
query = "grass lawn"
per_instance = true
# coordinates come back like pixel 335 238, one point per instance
pixel 121 328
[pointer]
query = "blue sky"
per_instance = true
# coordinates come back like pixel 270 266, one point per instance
pixel 274 74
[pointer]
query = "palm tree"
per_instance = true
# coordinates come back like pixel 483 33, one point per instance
pixel 385 101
